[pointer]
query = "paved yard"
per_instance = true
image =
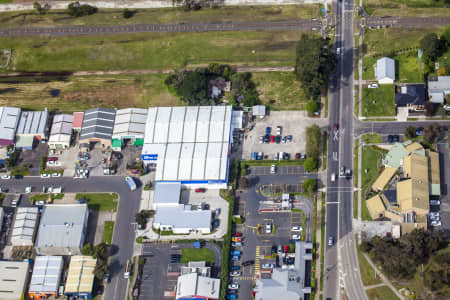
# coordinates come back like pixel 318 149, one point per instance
pixel 292 123
pixel 33 157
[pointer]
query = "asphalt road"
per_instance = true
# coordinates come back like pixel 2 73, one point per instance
pixel 123 238
pixel 147 28
pixel 394 127
pixel 405 22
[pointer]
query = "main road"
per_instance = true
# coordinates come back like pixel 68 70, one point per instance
pixel 341 265
pixel 124 230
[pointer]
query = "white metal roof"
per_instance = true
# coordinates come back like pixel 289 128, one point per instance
pixel 188 143
pixel 385 68
pixel 181 217
pixel 167 193
pixel 32 122
pixel 130 123
pixel 24 226
pixel 9 118
pixel 194 285
pixel 46 274
pixel 13 275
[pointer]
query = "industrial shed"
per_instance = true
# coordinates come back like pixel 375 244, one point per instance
pixel 98 125
pixel 129 126
pixel 189 144
pixel 61 132
pixel 24 227
pixel 80 277
pixel 9 118
pixel 33 124
pixel 13 277
pixel 46 277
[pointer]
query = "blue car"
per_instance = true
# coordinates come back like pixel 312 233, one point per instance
pixel 231 297
pixel 268 130
pixel 236 252
pixel 235 258
pixel 235 268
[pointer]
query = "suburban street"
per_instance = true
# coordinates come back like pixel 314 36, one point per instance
pixel 123 237
pixel 404 22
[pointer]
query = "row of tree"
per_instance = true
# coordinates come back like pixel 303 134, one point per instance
pixel 400 258
pixel 99 252
pixel 313 149
pixel 430 133
pixel 433 47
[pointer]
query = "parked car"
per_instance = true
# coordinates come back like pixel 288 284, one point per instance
pixel 348 173
pixel 268 130
pixel 238 234
pixel 107 278
pixel 56 175
pixel 18 176
pixel 297 155
pixel 276 156
pixel 82 201
pixel 6 177
pixel 235 273
pixel 261 139
pixel 233 286
pixel 330 241
pixel 236 239
pixel 396 138
pixel 277 139
pixel 273 169
pixel 235 268
pixel 278 130
pixel 236 244
pixel 296 237
pixel 435 202
pixel 45 175
pixel 373 86
pixel 218 211
pixel 52 158
pixel 285 249
pixel 419 131
pixel 303 156
pixel 267 266
pixel 200 190
pixel 267 138
pixel 235 258
pixel 283 139
pixel 342 171
pixel 436 223
pixel 297 228
pixel 248 263
pixel 274 249
pixel 216 223
pixel 268 228
pixel 333 177
pixel 289 138
pixel 272 139
pixel 231 297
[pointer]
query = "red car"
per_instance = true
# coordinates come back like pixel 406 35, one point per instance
pixel 200 190
pixel 52 158
pixel 336 127
pixel 285 249
pixel 272 139
pixel 238 234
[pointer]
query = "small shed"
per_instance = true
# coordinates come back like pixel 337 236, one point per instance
pixel 385 70
pixel 259 111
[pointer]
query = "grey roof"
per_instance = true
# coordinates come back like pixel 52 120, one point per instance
pixel 385 68
pixel 438 87
pixel 46 274
pixel 33 122
pixel 130 122
pixel 13 275
pixel 259 110
pixel 62 225
pixel 167 193
pixel 181 217
pixel 411 94
pixel 98 123
pixel 62 124
pixel 9 118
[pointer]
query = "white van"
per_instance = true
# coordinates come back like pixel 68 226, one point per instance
pixel 333 177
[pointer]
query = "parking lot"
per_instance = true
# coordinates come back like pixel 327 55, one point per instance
pixel 33 157
pixel 281 170
pixel 291 122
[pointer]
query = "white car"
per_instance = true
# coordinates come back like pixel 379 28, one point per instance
pixel 261 139
pixel 297 228
pixel 330 241
pixel 278 130
pixel 235 273
pixel 6 177
pixel 56 175
pixel 436 223
pixel 45 175
pixel 333 177
pixel 373 86
pixel 28 189
pixel 283 139
pixel 268 228
pixel 233 286
pixel 296 237
pixel 268 266
pixel 435 202
pixel 273 169
pixel 51 163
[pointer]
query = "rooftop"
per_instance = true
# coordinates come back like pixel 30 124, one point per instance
pixel 13 275
pixel 98 123
pixel 9 118
pixel 24 226
pixel 32 122
pixel 77 120
pixel 384 178
pixel 194 285
pixel 46 274
pixel 62 124
pixel 167 193
pixel 385 68
pixel 181 216
pixel 411 94
pixel 130 123
pixel 80 277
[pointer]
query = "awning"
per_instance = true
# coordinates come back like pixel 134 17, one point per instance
pixel 116 143
pixel 138 142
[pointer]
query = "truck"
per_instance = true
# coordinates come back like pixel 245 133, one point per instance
pixel 131 183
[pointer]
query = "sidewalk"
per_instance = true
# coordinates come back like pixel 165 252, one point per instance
pixel 318 244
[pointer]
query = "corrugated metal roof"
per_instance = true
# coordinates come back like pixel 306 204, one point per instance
pixel 130 122
pixel 77 120
pixel 62 124
pixel 98 123
pixel 13 276
pixel 384 178
pixel 24 226
pixel 80 277
pixel 46 274
pixel 259 110
pixel 9 118
pixel 167 193
pixel 441 84
pixel 385 68
pixel 435 173
pixel 181 217
pixel 32 122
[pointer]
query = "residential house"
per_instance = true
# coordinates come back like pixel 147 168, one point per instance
pixel 438 88
pixel 385 70
pixel 411 96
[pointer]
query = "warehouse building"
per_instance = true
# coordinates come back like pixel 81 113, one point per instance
pixel 61 132
pixel 189 144
pixel 62 229
pixel 193 286
pixel 77 121
pixel 129 127
pixel 32 125
pixel 24 227
pixel 80 277
pixel 13 277
pixel 98 125
pixel 9 118
pixel 170 215
pixel 46 277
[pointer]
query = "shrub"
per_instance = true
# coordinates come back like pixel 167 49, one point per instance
pixel 76 9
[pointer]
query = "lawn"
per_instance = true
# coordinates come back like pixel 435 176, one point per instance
pixel 400 44
pixel 151 50
pixel 406 8
pixel 368 274
pixel 369 138
pixel 280 90
pixel 370 160
pixel 378 102
pixel 202 254
pixel 161 15
pixel 100 201
pixel 39 197
pixel 108 229
pixel 381 293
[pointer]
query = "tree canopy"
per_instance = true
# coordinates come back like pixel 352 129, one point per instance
pixel 410 132
pixel 309 186
pixel 310 164
pixel 312 106
pixel 314 64
pixel 313 141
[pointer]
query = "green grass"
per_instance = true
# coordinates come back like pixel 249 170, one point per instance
pixel 369 138
pixel 20 170
pixel 100 201
pixel 160 16
pixel 370 161
pixel 151 50
pixel 368 274
pixel 408 8
pixel 117 91
pixel 280 90
pixel 58 196
pixel 324 150
pixel 322 239
pixel 39 197
pixel 381 293
pixel 202 254
pixel 378 102
pixel 108 229
pixel 5 1
pixel 326 105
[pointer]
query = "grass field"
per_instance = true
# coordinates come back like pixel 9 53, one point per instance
pixel 108 229
pixel 400 44
pixel 202 254
pixel 369 173
pixel 161 15
pixel 100 201
pixel 406 8
pixel 369 138
pixel 90 91
pixel 368 274
pixel 381 293
pixel 280 90
pixel 379 101
pixel 152 50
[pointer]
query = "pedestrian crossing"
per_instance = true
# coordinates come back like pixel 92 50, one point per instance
pixel 257 255
pixel 247 278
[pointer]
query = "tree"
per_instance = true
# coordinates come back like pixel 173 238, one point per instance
pixel 101 268
pixel 410 132
pixel 313 135
pixel 100 251
pixel 312 106
pixel 190 86
pixel 76 9
pixel 88 249
pixel 431 132
pixel 40 9
pixel 314 64
pixel 429 109
pixel 437 271
pixel 431 46
pixel 128 13
pixel 309 186
pixel 310 164
pixel 13 159
pixel 244 89
pixel 141 217
pixel 441 111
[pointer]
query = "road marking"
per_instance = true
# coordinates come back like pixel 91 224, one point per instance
pixel 332 202
pixel 257 254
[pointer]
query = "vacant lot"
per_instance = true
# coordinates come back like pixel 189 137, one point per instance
pixel 400 44
pixel 381 293
pixel 280 90
pixel 202 254
pixel 108 229
pixel 151 50
pixel 379 101
pixel 406 8
pixel 74 93
pixel 100 201
pixel 161 15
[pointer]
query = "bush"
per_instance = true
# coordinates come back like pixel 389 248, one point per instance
pixel 87 249
pixel 312 107
pixel 76 9
pixel 410 132
pixel 313 135
pixel 310 164
pixel 128 13
pixel 309 186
